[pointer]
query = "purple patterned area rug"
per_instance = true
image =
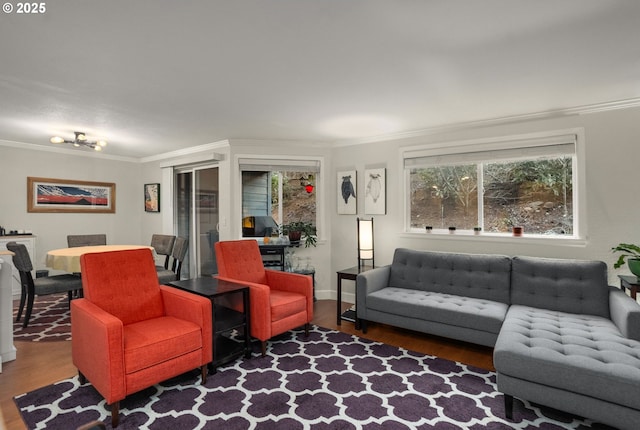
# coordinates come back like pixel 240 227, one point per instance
pixel 328 381
pixel 50 319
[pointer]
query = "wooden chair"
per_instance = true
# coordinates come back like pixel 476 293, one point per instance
pixel 39 286
pixel 280 301
pixel 178 255
pixel 129 332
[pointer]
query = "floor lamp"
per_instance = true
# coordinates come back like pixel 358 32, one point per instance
pixel 365 242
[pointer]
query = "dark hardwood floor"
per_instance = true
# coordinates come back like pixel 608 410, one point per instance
pixel 42 363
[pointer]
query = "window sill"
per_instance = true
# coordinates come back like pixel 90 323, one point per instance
pixel 498 238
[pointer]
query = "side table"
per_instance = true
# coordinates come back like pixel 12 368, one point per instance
pixel 631 283
pixel 225 319
pixel 349 274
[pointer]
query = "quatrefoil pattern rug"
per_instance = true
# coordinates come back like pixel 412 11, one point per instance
pixel 50 319
pixel 328 381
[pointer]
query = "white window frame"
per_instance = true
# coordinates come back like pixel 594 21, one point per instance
pixel 284 162
pixel 462 151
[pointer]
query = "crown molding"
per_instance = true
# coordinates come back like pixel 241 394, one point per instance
pixel 185 152
pixel 556 113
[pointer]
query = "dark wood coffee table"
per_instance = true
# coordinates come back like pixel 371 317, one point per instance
pixel 231 318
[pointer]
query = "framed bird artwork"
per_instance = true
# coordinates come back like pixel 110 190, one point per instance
pixel 347 202
pixel 375 191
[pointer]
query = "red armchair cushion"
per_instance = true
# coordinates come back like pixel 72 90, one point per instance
pixel 125 269
pixel 151 342
pixel 284 304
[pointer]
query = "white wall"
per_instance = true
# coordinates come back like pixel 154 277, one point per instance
pixel 51 229
pixel 612 148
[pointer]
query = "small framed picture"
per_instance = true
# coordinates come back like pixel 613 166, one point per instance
pixel 375 195
pixel 346 192
pixel 152 197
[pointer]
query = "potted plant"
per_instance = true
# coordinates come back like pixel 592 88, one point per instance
pixel 297 229
pixel 631 253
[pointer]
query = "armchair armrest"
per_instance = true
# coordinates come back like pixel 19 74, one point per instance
pixel 97 348
pixel 259 298
pixel 368 282
pixel 293 283
pixel 194 308
pixel 625 313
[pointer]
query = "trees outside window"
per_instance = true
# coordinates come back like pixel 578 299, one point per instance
pixel 534 193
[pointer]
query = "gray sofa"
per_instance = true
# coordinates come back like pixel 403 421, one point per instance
pixel 561 336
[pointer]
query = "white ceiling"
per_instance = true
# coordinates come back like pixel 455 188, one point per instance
pixel 156 76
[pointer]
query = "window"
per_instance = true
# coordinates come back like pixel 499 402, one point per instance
pixel 495 185
pixel 277 192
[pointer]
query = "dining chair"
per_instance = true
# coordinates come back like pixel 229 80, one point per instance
pixel 75 240
pixel 279 301
pixel 40 286
pixel 163 245
pixel 129 332
pixel 178 255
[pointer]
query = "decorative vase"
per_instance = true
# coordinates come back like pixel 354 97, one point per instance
pixel 634 266
pixel 517 231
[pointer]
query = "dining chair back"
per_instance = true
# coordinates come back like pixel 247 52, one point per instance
pixel 163 245
pixel 178 254
pixel 40 286
pixel 75 240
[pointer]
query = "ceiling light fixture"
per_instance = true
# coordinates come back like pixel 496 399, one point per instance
pixel 81 140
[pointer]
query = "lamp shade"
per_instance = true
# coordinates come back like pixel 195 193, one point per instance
pixel 365 240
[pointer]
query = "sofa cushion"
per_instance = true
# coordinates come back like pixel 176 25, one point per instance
pixel 576 286
pixel 470 275
pixel 584 354
pixel 468 312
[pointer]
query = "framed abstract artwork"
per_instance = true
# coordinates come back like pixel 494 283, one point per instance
pixel 346 192
pixel 375 191
pixel 65 195
pixel 152 197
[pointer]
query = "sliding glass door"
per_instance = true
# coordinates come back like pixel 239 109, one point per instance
pixel 197 215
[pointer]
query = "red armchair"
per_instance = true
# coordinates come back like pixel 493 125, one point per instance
pixel 129 333
pixel 280 301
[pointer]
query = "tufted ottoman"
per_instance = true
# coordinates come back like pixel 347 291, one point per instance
pixel 559 345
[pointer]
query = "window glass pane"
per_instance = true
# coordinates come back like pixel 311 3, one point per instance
pixel 267 202
pixel 534 194
pixel 297 203
pixel 444 196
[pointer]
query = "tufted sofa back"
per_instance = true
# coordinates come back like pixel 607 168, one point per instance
pixel 470 275
pixel 574 286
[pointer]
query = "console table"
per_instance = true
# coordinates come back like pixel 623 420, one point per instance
pixel 273 256
pixel 229 315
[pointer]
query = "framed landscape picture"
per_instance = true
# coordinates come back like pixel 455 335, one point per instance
pixel 152 197
pixel 65 195
pixel 375 194
pixel 346 192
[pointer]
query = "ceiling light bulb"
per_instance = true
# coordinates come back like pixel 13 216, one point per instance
pixel 98 148
pixel 81 136
pixel 77 145
pixel 56 139
pixel 102 143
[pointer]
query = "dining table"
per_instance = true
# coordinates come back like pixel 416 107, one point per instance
pixel 68 259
